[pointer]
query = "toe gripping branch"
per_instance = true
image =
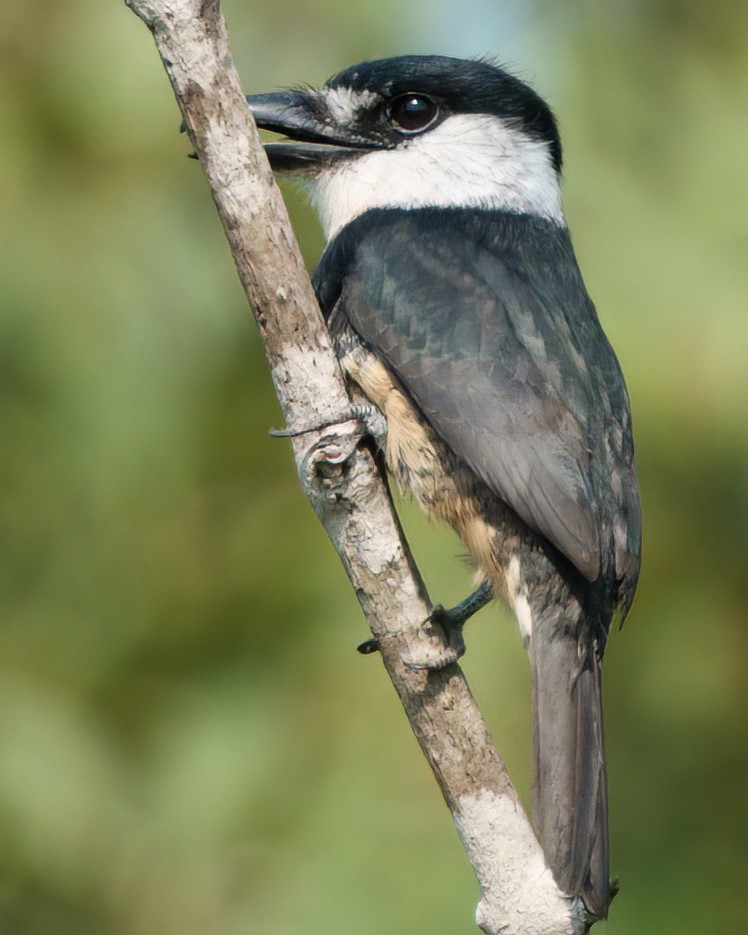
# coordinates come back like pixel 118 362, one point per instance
pixel 450 623
pixel 370 419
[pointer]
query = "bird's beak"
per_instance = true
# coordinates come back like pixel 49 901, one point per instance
pixel 313 142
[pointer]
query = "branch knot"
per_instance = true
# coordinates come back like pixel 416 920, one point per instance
pixel 324 467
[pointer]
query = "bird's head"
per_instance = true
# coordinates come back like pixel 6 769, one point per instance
pixel 417 131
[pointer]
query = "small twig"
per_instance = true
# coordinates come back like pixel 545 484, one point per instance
pixel 341 479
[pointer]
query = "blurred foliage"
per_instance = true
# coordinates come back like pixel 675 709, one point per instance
pixel 189 743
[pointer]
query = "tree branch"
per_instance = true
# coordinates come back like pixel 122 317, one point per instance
pixel 340 477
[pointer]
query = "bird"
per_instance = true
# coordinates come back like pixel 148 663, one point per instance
pixel 456 307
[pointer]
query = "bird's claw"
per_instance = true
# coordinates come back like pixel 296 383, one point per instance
pixel 368 647
pixel 371 421
pixel 446 644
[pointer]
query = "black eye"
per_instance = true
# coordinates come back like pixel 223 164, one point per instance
pixel 412 112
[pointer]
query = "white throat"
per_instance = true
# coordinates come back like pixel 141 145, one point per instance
pixel 470 160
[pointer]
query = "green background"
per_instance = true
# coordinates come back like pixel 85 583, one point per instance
pixel 188 741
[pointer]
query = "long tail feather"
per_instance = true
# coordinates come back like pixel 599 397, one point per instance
pixel 571 807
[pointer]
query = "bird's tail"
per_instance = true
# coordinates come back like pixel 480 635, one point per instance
pixel 571 807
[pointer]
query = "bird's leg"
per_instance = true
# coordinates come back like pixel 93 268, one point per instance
pixel 451 621
pixel 458 615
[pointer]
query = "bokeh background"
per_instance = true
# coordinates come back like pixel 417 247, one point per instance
pixel 188 741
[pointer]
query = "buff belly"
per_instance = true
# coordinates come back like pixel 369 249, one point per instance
pixel 444 487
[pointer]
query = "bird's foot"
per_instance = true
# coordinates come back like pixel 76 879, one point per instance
pixel 370 419
pixel 444 643
pixel 447 644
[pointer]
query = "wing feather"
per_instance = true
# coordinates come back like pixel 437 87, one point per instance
pixel 489 328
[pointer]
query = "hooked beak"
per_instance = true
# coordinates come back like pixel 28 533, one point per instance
pixel 313 141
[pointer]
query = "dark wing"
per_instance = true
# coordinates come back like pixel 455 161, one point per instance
pixel 488 326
